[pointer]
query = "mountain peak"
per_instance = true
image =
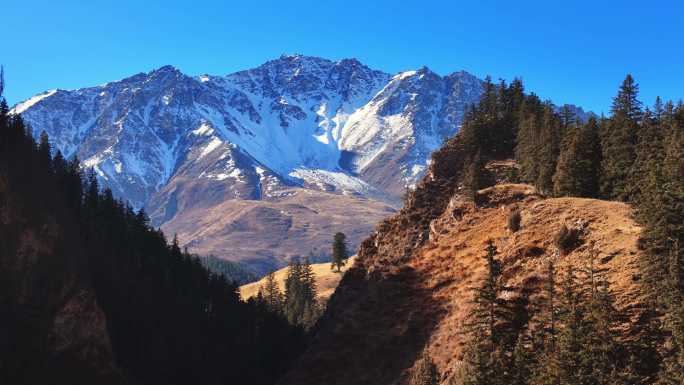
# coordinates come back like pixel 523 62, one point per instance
pixel 166 69
pixel 354 62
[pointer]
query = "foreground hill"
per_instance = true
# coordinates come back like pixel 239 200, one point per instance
pixel 411 286
pixel 326 280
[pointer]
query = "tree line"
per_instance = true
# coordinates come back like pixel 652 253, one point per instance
pixel 634 155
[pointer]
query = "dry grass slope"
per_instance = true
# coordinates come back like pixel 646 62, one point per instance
pixel 268 233
pixel 326 280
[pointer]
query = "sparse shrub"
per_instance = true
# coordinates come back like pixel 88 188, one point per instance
pixel 567 239
pixel 514 220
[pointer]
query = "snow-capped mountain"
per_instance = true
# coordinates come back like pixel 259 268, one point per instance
pixel 174 143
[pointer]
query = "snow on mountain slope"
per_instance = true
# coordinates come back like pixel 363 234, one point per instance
pixel 171 142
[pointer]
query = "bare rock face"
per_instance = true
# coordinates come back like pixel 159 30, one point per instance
pixel 176 144
pixel 78 337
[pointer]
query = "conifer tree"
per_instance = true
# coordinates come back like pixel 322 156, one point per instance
pixel 602 352
pixel 548 148
pixel 45 150
pixel 571 368
pixel 472 179
pixel 619 140
pixel 578 169
pixel 649 152
pixel 485 356
pixel 567 117
pixel 526 148
pixel 272 296
pixel 339 251
pixel 312 308
pixel 293 301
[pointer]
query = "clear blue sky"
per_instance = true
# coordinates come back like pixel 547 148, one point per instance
pixel 570 51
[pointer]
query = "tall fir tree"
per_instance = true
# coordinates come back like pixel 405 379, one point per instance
pixel 548 148
pixel 339 251
pixel 300 301
pixel 619 140
pixel 579 163
pixel 271 293
pixel 486 357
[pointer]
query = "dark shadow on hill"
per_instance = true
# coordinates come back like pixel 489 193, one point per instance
pixel 374 330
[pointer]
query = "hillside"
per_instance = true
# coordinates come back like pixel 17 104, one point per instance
pixel 265 233
pixel 412 283
pixel 326 280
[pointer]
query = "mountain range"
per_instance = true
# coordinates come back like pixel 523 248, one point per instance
pixel 264 164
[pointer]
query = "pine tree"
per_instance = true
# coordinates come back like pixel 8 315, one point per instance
pixel 472 179
pixel 272 296
pixel 578 169
pixel 339 251
pixel 548 148
pixel 45 151
pixel 526 148
pixel 602 352
pixel 487 326
pixel 547 328
pixel 293 301
pixel 312 309
pixel 567 117
pixel 619 140
pixel 649 157
pixel 300 304
pixel 570 341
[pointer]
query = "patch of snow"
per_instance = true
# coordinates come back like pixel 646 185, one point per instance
pixel 337 179
pixel 23 106
pixel 213 145
pixel 404 75
pixel 203 129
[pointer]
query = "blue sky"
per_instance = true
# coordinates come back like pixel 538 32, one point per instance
pixel 571 52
